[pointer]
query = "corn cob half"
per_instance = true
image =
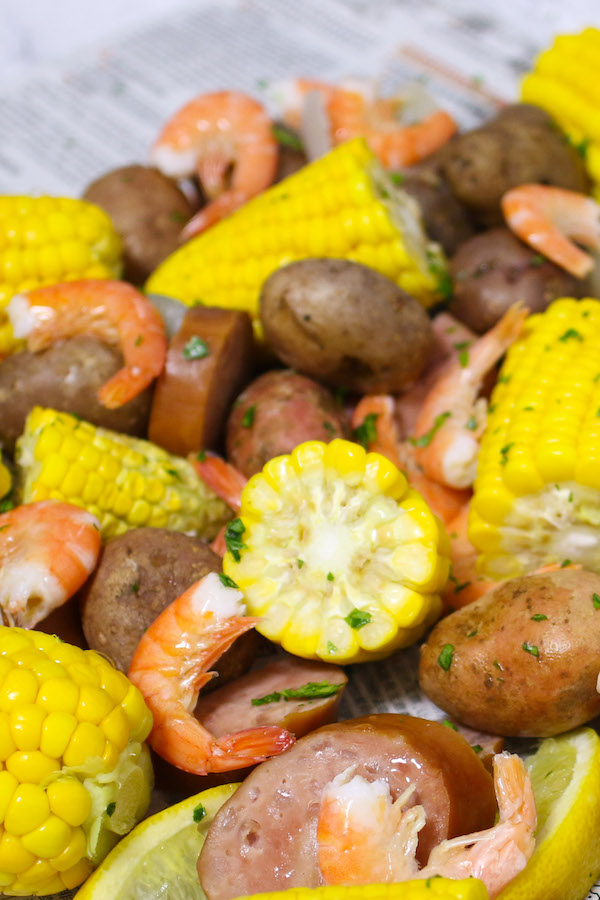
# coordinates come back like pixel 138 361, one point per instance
pixel 426 889
pixel 75 774
pixel 45 240
pixel 338 555
pixel 344 205
pixel 565 81
pixel 126 482
pixel 537 491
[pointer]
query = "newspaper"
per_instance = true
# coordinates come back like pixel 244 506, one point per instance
pixel 101 109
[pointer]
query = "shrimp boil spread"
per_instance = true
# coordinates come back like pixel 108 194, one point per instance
pixel 353 409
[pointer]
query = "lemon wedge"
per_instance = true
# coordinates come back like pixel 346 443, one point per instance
pixel 158 858
pixel 565 774
pixel 429 889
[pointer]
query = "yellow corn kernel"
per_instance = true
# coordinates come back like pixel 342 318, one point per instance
pixel 18 688
pixel 37 875
pixel 14 858
pixel 50 839
pixel 59 695
pixel 31 765
pixel 138 714
pixel 8 785
pixel 72 853
pixel 56 733
pixel 87 741
pixel 7 744
pixel 68 800
pixel 28 808
pixel 76 874
pixel 116 728
pixel 26 723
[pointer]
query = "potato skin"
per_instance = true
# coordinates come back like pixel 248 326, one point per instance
pixel 497 681
pixel 446 220
pixel 138 574
pixel 521 144
pixel 345 324
pixel 147 209
pixel 493 269
pixel 275 413
pixel 66 377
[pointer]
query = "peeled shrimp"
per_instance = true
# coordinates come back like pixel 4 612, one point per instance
pixel 546 217
pixel 172 662
pixel 364 838
pixel 113 311
pixel 47 550
pixel 211 135
pixel 452 418
pixel 356 113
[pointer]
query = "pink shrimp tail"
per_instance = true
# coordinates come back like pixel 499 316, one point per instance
pixel 216 210
pixel 218 545
pixel 221 477
pixel 251 746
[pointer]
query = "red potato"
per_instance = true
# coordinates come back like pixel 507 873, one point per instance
pixel 275 413
pixel 521 661
pixel 264 837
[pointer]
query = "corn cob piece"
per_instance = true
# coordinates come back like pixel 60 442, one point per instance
pixel 344 205
pixel 426 889
pixel 537 491
pixel 45 240
pixel 341 559
pixel 565 81
pixel 126 482
pixel 75 774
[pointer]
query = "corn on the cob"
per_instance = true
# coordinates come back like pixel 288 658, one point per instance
pixel 344 205
pixel 126 482
pixel 565 82
pixel 45 240
pixel 537 491
pixel 75 774
pixel 341 559
pixel 427 889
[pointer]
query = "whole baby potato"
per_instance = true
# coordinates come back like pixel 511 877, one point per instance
pixel 345 324
pixel 522 660
pixel 494 269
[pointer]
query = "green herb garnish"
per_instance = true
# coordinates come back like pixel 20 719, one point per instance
pixel 226 581
pixel 248 417
pixel 196 348
pixel 426 439
pixel 530 648
pixel 539 617
pixel 286 138
pixel 570 334
pixel 111 808
pixel 366 432
pixel 199 813
pixel 471 423
pixel 233 538
pixel 446 656
pixel 358 618
pixel 596 601
pixel 313 690
pixel 135 587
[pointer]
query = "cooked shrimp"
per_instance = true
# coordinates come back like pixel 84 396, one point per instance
pixel 465 584
pixel 226 481
pixel 212 135
pixel 47 550
pixel 172 662
pixel 364 838
pixel 452 417
pixel 113 311
pixel 546 217
pixel 357 113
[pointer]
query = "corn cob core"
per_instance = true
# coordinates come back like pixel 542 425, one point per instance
pixel 344 205
pixel 46 240
pixel 125 482
pixel 74 773
pixel 565 81
pixel 426 889
pixel 537 491
pixel 341 559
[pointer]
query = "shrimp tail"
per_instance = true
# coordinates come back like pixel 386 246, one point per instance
pixel 216 210
pixel 253 745
pixel 225 480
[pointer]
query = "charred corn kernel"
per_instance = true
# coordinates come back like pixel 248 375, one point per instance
pixel 337 555
pixel 44 240
pixel 184 500
pixel 346 194
pixel 564 82
pixel 537 492
pixel 427 889
pixel 76 750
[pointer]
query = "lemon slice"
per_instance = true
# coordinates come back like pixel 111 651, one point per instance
pixel 158 858
pixel 565 774
pixel 429 889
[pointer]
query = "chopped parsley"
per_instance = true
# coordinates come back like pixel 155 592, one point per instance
pixel 450 724
pixel 473 633
pixel 539 617
pixel 233 538
pixel 139 340
pixel 565 563
pixel 330 576
pixel 537 260
pixel 366 432
pixel 504 453
pixel 396 178
pixel 331 648
pixel 328 426
pixel 596 601
pixel 201 455
pixel 477 748
pixel 426 439
pixel 177 216
pixel 446 656
pixel 530 648
pixel 570 334
pixel 340 395
pixel 463 358
pixel 111 808
pixel 196 348
pixel 312 690
pixel 199 813
pixel 135 587
pixel 248 417
pixel 504 379
pixel 471 423
pixel 300 563
pixel 6 505
pixel 286 137
pixel 358 618
pixel 226 581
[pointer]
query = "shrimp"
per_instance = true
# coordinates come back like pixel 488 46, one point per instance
pixel 113 311
pixel 170 665
pixel 226 481
pixel 210 135
pixel 363 837
pixel 452 418
pixel 47 550
pixel 357 113
pixel 465 584
pixel 546 217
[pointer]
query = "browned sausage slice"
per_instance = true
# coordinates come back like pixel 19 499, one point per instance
pixel 264 837
pixel 208 362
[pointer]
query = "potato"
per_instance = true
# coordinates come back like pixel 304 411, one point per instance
pixel 446 220
pixel 521 661
pixel 147 209
pixel 66 377
pixel 521 145
pixel 139 573
pixel 494 269
pixel 345 324
pixel 275 413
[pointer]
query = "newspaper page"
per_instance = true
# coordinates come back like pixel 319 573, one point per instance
pixel 65 127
